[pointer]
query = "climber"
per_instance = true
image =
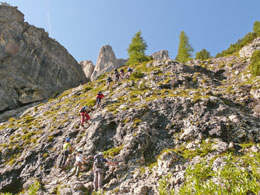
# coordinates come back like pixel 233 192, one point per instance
pixel 99 97
pixel 67 149
pixel 84 114
pixel 98 169
pixel 109 80
pixel 129 72
pixel 116 75
pixel 80 160
pixel 122 74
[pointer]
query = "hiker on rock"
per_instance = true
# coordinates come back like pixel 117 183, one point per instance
pixel 129 72
pixel 80 160
pixel 84 113
pixel 67 149
pixel 117 75
pixel 98 169
pixel 109 80
pixel 99 97
pixel 122 74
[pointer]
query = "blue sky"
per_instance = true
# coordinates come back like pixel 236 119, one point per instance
pixel 84 26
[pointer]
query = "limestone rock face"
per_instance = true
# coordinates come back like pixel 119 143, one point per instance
pixel 88 67
pixel 33 66
pixel 161 55
pixel 248 50
pixel 106 62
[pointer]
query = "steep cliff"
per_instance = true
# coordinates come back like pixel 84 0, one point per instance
pixel 33 67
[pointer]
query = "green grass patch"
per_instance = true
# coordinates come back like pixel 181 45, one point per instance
pixel 164 188
pixel 201 151
pixel 112 152
pixel 231 178
pixel 50 138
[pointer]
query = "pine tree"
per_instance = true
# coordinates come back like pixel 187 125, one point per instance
pixel 136 49
pixel 202 55
pixel 185 50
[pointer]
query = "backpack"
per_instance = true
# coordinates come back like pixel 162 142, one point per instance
pixel 98 161
pixel 83 109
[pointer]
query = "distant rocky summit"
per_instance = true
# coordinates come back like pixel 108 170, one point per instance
pixel 33 67
pixel 106 62
pixel 161 55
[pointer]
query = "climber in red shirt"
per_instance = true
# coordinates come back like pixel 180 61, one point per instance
pixel 99 97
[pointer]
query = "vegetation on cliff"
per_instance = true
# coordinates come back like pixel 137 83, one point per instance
pixel 248 38
pixel 255 63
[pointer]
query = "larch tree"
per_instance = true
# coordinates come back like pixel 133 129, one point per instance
pixel 185 50
pixel 136 49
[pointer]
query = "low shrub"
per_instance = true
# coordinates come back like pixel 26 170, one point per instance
pixel 137 75
pixel 232 178
pixel 255 63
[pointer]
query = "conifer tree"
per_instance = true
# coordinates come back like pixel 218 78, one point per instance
pixel 185 50
pixel 136 49
pixel 202 55
pixel 256 27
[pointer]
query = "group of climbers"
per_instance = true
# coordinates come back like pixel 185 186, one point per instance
pixel 98 168
pixel 118 75
pixel 85 110
pixel 99 160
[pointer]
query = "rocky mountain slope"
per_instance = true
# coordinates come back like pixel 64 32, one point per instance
pixel 33 67
pixel 173 128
